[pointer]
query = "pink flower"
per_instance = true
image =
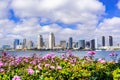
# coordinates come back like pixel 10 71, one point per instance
pixel 30 71
pixel 69 51
pixel 2 70
pixel 63 56
pixel 49 56
pixel 16 78
pixel 46 65
pixel 33 62
pixel 113 54
pixel 59 67
pixel 74 60
pixel 4 54
pixel 1 64
pixel 39 67
pixel 26 60
pixel 91 52
pixel 101 61
pixel 52 67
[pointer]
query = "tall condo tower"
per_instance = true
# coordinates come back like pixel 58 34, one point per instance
pixel 110 41
pixel 24 43
pixel 94 44
pixel 40 42
pixel 51 41
pixel 81 44
pixel 70 43
pixel 16 42
pixel 103 40
pixel 29 44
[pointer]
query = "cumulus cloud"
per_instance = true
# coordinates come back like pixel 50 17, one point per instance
pixel 85 14
pixel 58 10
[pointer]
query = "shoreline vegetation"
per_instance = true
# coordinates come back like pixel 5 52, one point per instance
pixel 66 67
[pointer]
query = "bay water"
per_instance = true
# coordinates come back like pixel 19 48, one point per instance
pixel 81 54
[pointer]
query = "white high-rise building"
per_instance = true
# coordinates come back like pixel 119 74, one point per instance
pixel 40 42
pixel 24 43
pixel 51 41
pixel 96 43
pixel 29 44
pixel 63 44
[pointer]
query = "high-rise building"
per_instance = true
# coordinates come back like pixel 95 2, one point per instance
pixel 24 43
pixel 87 44
pixel 63 44
pixel 81 44
pixel 96 43
pixel 103 40
pixel 40 42
pixel 70 43
pixel 75 45
pixel 29 44
pixel 110 41
pixel 51 41
pixel 67 45
pixel 16 42
pixel 93 44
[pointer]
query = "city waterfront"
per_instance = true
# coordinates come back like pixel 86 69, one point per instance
pixel 81 54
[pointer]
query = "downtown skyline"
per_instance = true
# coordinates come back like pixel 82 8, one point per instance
pixel 78 19
pixel 63 44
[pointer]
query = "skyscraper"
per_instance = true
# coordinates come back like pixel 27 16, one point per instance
pixel 24 43
pixel 63 44
pixel 81 44
pixel 87 44
pixel 51 41
pixel 110 41
pixel 70 43
pixel 29 44
pixel 40 42
pixel 75 44
pixel 93 44
pixel 103 40
pixel 16 42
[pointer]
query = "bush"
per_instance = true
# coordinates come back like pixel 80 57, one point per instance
pixel 51 67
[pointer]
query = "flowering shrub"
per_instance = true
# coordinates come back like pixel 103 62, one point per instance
pixel 51 67
pixel 113 55
pixel 16 78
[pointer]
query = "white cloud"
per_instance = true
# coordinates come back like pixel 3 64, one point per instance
pixel 58 10
pixel 4 8
pixel 84 13
pixel 118 4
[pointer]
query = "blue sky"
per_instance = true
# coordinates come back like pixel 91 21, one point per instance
pixel 79 19
pixel 111 8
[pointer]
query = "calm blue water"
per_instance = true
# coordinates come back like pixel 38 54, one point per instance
pixel 81 54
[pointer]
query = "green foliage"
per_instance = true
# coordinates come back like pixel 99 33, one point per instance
pixel 80 69
pixel 116 74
